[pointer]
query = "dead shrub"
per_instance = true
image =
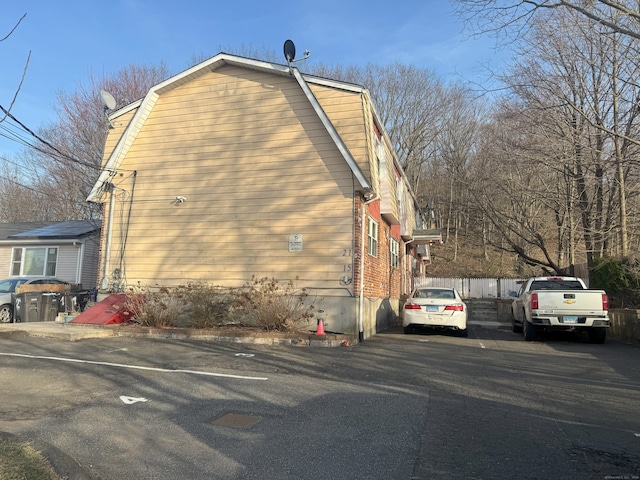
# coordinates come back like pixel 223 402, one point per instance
pixel 210 306
pixel 273 306
pixel 265 303
pixel 161 308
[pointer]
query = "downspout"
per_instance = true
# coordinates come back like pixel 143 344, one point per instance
pixel 104 284
pixel 361 299
pixel 362 254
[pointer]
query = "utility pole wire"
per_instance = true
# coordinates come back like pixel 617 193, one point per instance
pixel 43 141
pixel 24 71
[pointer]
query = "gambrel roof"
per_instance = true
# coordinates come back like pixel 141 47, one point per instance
pixel 146 105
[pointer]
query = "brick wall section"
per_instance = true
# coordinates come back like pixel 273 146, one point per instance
pixel 381 280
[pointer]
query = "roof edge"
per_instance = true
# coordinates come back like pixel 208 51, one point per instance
pixel 146 104
pixel 331 129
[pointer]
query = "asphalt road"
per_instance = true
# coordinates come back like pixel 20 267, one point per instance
pixel 489 406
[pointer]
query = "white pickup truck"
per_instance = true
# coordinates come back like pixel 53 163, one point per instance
pixel 560 303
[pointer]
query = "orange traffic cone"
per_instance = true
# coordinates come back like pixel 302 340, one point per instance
pixel 320 330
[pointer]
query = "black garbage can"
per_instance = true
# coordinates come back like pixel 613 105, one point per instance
pixel 74 301
pixel 28 307
pixel 49 306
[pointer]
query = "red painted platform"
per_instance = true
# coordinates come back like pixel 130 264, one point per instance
pixel 110 310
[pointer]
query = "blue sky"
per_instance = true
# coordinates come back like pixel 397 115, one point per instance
pixel 70 39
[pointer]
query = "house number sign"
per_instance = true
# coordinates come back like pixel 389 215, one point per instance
pixel 295 242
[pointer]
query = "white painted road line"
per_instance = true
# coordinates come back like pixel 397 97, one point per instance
pixel 132 400
pixel 135 367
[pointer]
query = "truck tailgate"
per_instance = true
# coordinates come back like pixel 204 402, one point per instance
pixel 570 301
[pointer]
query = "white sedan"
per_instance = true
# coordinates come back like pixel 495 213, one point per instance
pixel 435 307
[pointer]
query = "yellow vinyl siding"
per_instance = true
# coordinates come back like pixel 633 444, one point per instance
pixel 115 132
pixel 255 165
pixel 345 110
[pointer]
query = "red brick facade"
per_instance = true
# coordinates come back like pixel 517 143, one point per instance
pixel 381 279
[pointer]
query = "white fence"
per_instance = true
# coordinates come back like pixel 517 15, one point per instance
pixel 475 287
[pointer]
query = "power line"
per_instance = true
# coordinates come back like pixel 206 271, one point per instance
pixel 26 187
pixel 45 142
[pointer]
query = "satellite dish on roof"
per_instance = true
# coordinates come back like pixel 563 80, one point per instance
pixel 109 104
pixel 289 51
pixel 108 99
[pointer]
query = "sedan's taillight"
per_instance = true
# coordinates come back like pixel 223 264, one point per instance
pixel 456 308
pixel 412 306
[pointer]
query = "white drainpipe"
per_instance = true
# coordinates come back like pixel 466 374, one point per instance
pixel 362 254
pixel 104 284
pixel 361 299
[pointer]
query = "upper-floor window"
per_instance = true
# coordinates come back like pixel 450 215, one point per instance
pixel 373 237
pixel 394 248
pixel 38 261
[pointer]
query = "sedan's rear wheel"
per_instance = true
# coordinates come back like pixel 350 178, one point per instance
pixel 6 313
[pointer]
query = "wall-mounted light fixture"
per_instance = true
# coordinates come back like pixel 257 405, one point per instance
pixel 179 200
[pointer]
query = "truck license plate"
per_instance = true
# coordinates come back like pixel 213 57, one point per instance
pixel 570 319
pixel 432 308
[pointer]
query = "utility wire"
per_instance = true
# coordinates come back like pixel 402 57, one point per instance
pixel 45 142
pixel 28 188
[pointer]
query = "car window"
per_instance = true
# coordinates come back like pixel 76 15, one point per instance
pixel 7 286
pixel 432 293
pixel 556 285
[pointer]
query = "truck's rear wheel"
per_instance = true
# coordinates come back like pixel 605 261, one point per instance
pixel 597 335
pixel 529 330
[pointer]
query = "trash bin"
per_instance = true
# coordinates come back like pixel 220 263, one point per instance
pixel 49 307
pixel 74 301
pixel 27 307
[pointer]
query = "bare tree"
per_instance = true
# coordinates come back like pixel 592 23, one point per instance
pixel 456 146
pixel 575 96
pixel 67 155
pixel 6 112
pixel 515 16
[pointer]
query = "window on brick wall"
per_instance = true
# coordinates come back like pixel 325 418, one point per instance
pixel 373 237
pixel 394 248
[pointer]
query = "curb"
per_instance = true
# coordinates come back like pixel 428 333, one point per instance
pixel 73 332
pixel 62 464
pixel 238 336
